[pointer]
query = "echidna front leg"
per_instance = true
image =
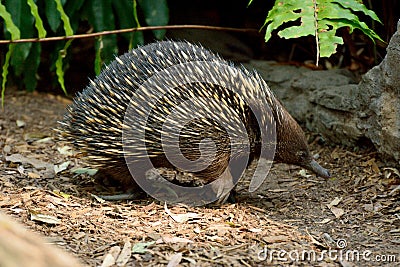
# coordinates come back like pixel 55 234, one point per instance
pixel 223 186
pixel 119 177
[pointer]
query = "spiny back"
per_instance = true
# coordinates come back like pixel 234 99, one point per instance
pixel 94 122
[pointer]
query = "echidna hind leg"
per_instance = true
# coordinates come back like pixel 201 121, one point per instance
pixel 223 186
pixel 118 176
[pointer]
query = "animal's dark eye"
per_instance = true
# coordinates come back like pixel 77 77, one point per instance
pixel 302 154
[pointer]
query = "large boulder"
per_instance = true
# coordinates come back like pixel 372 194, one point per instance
pixel 332 103
pixel 379 91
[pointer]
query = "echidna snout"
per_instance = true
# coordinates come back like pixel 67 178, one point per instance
pixel 292 146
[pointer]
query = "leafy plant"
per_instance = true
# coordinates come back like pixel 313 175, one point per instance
pixel 41 18
pixel 320 18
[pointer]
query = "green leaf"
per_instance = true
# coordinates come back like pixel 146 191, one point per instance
pixel 21 16
pixel 20 54
pixel 110 48
pixel 135 15
pixel 15 34
pixel 156 13
pixel 330 16
pixel 73 6
pixel 358 6
pixel 136 40
pixel 281 13
pixel 38 20
pixel 344 18
pixel 10 26
pixel 67 26
pixel 137 37
pixel 328 41
pixel 53 16
pixel 97 60
pixel 73 9
pixel 20 12
pixel 59 65
pixel 31 66
pixel 126 13
pixel 5 71
pixel 63 52
pixel 102 18
pixel 307 23
pixel 123 13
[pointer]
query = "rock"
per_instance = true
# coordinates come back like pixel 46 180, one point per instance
pixel 315 80
pixel 380 95
pixel 333 115
pixel 332 103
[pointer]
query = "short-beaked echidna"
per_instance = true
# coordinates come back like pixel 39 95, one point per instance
pixel 122 114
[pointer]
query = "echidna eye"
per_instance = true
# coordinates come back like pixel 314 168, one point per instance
pixel 302 154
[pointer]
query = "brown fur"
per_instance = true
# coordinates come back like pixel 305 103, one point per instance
pixel 292 145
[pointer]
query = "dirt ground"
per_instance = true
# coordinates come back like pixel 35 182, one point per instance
pixel 295 218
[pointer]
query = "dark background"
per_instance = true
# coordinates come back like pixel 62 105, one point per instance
pixel 359 53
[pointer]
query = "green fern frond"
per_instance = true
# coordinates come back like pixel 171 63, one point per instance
pixel 319 18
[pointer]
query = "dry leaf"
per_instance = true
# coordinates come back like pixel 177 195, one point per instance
pixel 125 254
pixel 279 190
pixel 63 166
pixel 65 150
pixel 108 261
pixel 303 173
pixel 114 251
pixel 276 239
pixel 87 171
pixel 373 165
pixel 62 194
pixel 174 260
pixel 30 137
pixel 335 202
pixel 44 218
pixel 369 207
pixel 141 247
pixel 37 164
pixel 324 221
pixel 181 218
pixel 44 140
pixel 33 175
pixel 79 235
pixel 20 123
pixel 255 230
pixel 173 240
pixel 338 212
pixel 99 199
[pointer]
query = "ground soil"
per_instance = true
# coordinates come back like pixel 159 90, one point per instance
pixel 357 211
